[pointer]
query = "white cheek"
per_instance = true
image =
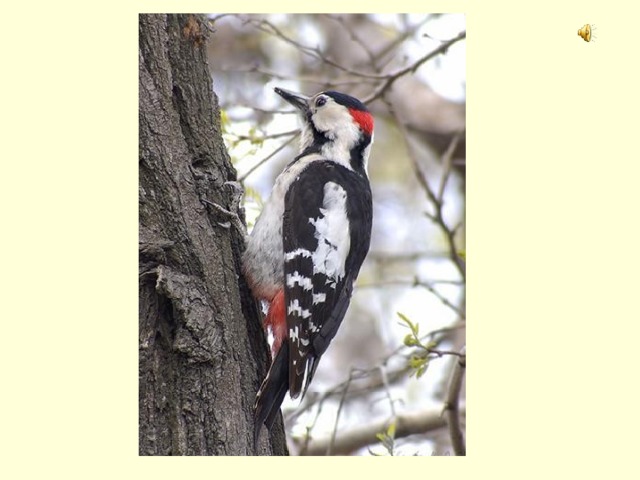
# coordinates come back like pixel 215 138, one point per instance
pixel 329 117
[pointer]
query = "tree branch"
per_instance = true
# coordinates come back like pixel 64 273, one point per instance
pixel 351 440
pixel 368 383
pixel 332 441
pixel 391 78
pixel 268 157
pixel 447 160
pixel 437 217
pixel 270 28
pixel 420 283
pixel 269 136
pixel 451 406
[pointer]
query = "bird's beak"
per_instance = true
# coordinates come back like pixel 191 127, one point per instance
pixel 297 100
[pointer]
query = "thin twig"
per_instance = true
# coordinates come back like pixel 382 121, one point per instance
pixel 262 110
pixel 371 385
pixel 391 78
pixel 439 296
pixel 307 436
pixel 357 374
pixel 382 256
pixel 340 405
pixel 437 217
pixel 407 283
pixel 268 157
pixel 268 27
pixel 420 283
pixel 441 353
pixel 393 44
pixel 339 81
pixel 353 36
pixel 385 382
pixel 447 160
pixel 345 389
pixel 424 338
pixel 269 136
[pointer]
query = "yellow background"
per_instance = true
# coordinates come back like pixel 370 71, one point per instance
pixel 553 173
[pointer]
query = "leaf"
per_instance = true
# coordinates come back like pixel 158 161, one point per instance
pixel 391 431
pixel 416 361
pixel 431 345
pixel 414 327
pixel 422 370
pixel 410 340
pixel 404 318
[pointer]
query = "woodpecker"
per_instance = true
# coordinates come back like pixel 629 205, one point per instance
pixel 308 244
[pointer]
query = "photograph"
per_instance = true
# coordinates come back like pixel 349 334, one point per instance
pixel 301 236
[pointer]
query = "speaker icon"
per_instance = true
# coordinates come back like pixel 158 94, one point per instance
pixel 587 32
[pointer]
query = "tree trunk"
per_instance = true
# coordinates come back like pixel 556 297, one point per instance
pixel 202 352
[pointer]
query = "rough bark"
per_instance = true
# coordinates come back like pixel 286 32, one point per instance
pixel 202 353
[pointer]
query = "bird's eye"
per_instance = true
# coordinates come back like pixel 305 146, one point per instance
pixel 321 101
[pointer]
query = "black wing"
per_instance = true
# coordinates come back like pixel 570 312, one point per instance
pixel 326 235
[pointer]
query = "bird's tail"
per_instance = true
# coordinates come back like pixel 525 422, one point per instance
pixel 272 392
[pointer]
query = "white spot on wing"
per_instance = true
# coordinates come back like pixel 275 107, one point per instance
pixel 303 281
pixel 294 308
pixel 332 233
pixel 296 253
pixel 293 333
pixel 319 298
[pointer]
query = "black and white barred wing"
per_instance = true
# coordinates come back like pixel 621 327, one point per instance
pixel 326 231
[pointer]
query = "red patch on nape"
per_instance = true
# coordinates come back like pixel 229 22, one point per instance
pixel 364 119
pixel 276 320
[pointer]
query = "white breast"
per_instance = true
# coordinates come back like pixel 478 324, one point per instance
pixel 263 260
